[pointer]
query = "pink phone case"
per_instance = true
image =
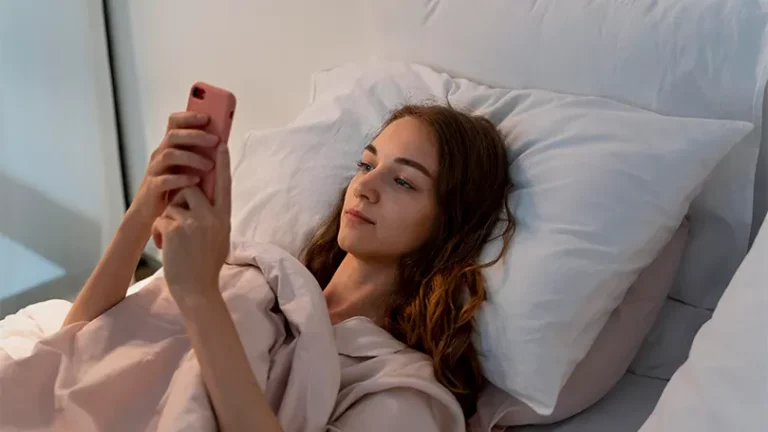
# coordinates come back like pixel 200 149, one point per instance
pixel 219 104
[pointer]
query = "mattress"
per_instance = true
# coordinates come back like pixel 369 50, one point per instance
pixel 624 408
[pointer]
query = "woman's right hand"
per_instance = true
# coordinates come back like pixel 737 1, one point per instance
pixel 163 174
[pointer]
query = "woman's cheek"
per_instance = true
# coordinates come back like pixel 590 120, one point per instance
pixel 418 225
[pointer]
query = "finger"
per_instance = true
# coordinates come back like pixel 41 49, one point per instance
pixel 195 198
pixel 190 137
pixel 157 237
pixel 162 225
pixel 174 181
pixel 223 192
pixel 183 120
pixel 179 200
pixel 177 213
pixel 171 157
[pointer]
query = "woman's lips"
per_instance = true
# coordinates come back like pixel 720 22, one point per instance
pixel 358 216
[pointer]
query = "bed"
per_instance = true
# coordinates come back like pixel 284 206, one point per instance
pixel 601 56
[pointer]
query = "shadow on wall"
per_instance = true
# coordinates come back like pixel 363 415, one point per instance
pixel 47 232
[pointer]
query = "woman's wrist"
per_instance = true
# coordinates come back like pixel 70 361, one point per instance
pixel 195 301
pixel 137 224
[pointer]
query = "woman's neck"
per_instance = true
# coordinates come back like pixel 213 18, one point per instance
pixel 359 288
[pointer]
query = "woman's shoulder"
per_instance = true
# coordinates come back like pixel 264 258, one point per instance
pixel 378 372
pixel 398 409
pixel 394 391
pixel 367 351
pixel 360 338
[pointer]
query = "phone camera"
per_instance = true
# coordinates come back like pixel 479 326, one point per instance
pixel 198 93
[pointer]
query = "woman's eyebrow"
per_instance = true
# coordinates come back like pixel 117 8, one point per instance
pixel 404 161
pixel 413 164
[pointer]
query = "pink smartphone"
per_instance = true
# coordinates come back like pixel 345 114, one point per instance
pixel 219 104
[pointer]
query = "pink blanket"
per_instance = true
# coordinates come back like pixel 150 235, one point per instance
pixel 133 369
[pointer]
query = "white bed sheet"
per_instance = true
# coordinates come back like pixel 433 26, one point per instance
pixel 20 331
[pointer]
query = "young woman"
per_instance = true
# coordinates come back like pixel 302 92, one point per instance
pixel 400 249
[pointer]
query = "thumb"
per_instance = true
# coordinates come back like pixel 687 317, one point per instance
pixel 158 238
pixel 223 192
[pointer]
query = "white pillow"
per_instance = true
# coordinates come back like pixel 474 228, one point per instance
pixel 723 386
pixel 600 188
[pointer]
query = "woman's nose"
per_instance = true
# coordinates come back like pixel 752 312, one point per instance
pixel 367 188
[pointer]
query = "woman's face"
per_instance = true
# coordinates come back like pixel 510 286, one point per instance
pixel 390 204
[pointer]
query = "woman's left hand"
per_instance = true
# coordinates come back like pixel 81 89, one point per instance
pixel 195 237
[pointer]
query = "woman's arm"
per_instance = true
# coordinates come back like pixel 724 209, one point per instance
pixel 110 280
pixel 237 399
pixel 196 239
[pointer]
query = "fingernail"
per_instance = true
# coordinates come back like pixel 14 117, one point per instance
pixel 222 149
pixel 201 116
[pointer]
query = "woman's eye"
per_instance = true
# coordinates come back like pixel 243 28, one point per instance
pixel 403 183
pixel 362 166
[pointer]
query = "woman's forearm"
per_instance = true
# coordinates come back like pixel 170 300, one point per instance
pixel 237 399
pixel 110 280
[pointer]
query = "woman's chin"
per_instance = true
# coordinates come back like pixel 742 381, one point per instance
pixel 349 242
pixel 356 244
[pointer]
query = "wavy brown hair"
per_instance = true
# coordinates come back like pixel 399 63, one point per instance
pixel 440 286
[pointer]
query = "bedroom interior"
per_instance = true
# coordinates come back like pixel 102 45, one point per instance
pixel 634 135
